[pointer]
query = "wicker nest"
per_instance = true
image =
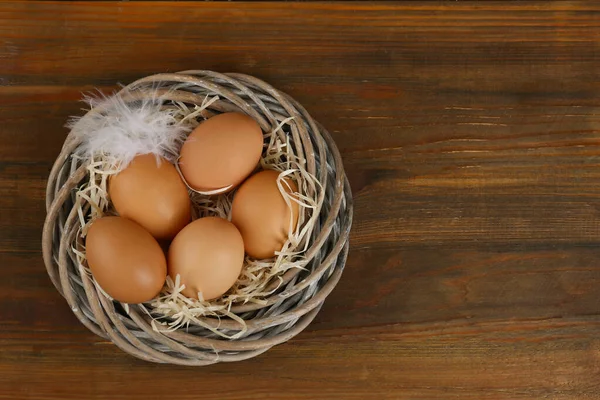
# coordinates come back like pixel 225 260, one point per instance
pixel 285 312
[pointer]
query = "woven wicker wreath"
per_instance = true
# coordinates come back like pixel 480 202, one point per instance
pixel 286 311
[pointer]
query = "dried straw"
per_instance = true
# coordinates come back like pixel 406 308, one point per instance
pixel 171 309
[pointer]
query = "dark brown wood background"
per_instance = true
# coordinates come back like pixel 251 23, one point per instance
pixel 471 135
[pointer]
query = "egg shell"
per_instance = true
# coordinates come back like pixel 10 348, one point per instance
pixel 261 214
pixel 208 254
pixel 125 260
pixel 152 193
pixel 221 152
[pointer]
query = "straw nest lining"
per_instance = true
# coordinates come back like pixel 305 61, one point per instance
pixel 246 327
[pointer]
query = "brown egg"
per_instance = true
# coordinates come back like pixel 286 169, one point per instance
pixel 208 254
pixel 126 261
pixel 221 152
pixel 153 195
pixel 261 214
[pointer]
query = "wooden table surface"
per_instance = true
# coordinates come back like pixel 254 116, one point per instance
pixel 471 136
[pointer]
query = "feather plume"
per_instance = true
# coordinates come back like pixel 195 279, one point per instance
pixel 118 130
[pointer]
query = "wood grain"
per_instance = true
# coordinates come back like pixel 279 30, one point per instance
pixel 470 132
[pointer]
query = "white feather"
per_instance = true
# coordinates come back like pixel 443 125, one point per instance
pixel 119 130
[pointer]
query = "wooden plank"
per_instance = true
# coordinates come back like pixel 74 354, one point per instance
pixel 470 134
pixel 554 358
